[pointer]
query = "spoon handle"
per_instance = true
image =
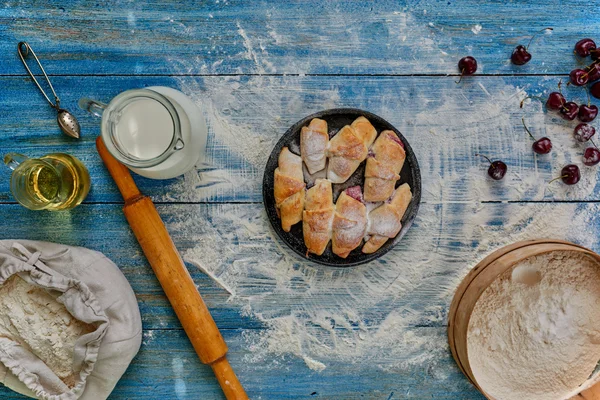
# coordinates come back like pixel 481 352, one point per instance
pixel 24 49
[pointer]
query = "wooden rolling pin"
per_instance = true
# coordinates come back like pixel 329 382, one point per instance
pixel 173 276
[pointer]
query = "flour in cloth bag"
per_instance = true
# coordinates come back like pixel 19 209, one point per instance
pixel 34 318
pixel 69 321
pixel 535 331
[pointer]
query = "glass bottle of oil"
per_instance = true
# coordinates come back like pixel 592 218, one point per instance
pixel 56 181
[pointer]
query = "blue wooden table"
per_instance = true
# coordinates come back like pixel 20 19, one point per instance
pixel 295 329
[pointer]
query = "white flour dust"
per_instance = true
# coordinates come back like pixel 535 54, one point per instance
pixel 391 312
pixel 36 320
pixel 534 331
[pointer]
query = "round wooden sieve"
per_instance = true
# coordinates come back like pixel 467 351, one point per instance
pixel 479 278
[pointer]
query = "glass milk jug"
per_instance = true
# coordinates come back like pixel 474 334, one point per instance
pixel 56 181
pixel 158 132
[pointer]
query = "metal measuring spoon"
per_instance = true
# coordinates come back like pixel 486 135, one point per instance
pixel 66 121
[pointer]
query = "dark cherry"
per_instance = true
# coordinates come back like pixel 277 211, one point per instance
pixel 595 90
pixel 520 55
pixel 497 168
pixel 584 132
pixel 569 111
pixel 467 66
pixel 587 113
pixel 555 101
pixel 591 156
pixel 540 146
pixel 593 72
pixel 584 47
pixel 570 174
pixel 579 77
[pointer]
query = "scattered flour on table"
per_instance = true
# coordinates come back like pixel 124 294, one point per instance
pixel 390 312
pixel 37 321
pixel 476 29
pixel 535 332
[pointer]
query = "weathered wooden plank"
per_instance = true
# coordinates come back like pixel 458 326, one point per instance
pixel 291 37
pixel 445 123
pixel 167 368
pixel 234 243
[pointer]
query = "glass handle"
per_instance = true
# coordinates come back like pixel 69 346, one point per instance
pixel 12 160
pixel 92 106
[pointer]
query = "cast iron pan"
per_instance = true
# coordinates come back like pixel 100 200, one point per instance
pixel 336 119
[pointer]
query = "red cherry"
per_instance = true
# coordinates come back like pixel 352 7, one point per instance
pixel 593 72
pixel 595 90
pixel 520 55
pixel 569 111
pixel 584 46
pixel 540 146
pixel 591 156
pixel 570 174
pixel 555 101
pixel 497 168
pixel 584 132
pixel 587 113
pixel 579 77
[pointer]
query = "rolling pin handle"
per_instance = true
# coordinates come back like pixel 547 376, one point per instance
pixel 119 173
pixel 232 388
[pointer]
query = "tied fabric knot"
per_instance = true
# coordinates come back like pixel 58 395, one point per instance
pixel 30 258
pixel 26 255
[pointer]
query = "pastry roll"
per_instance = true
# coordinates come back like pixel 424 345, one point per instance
pixel 384 163
pixel 314 140
pixel 365 130
pixel 385 220
pixel 318 216
pixel 349 222
pixel 346 151
pixel 289 188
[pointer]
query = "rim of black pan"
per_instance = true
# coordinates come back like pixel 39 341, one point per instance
pixel 410 174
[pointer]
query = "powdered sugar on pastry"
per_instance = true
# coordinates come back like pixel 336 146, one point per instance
pixel 314 140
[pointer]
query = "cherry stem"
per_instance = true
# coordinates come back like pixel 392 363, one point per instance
pixel 559 177
pixel 591 140
pixel 559 86
pixel 486 157
pixel 527 129
pixel 462 72
pixel 535 34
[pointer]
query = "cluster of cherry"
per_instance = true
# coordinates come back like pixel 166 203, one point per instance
pixel 568 110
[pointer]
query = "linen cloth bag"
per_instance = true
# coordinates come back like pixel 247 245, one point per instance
pixel 95 292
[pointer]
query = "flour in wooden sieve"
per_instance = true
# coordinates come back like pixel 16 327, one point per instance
pixel 32 317
pixel 535 332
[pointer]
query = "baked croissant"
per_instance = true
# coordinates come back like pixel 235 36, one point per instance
pixel 349 148
pixel 365 130
pixel 383 167
pixel 314 140
pixel 385 220
pixel 346 151
pixel 289 189
pixel 318 216
pixel 349 222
